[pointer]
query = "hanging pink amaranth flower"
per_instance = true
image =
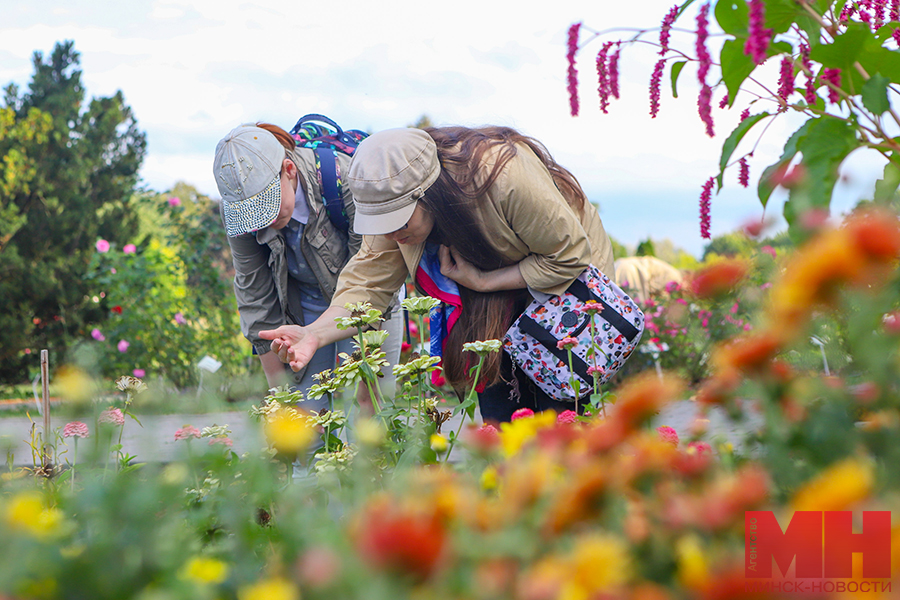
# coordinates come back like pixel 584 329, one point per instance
pixel 112 415
pixel 745 114
pixel 655 81
pixel 603 76
pixel 880 7
pixel 705 197
pixel 744 174
pixel 75 429
pixel 572 75
pixel 895 11
pixel 896 35
pixel 786 82
pixel 187 432
pixel 758 37
pixel 810 92
pixel 724 101
pixel 665 30
pixel 704 100
pixel 832 76
pixel 848 11
pixel 614 73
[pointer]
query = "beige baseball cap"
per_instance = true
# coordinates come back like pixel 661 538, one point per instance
pixel 390 171
pixel 247 169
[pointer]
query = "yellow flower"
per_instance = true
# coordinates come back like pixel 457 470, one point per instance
pixel 693 568
pixel 74 384
pixel 271 589
pixel 288 432
pixel 839 487
pixel 26 512
pixel 516 434
pixel 489 478
pixel 598 563
pixel 369 432
pixel 438 443
pixel 202 569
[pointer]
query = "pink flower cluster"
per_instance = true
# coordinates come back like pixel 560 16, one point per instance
pixel 567 343
pixel 785 82
pixel 97 335
pixel 668 434
pixel 604 85
pixel 572 75
pixel 704 100
pixel 223 440
pixel 113 416
pixel 102 246
pixel 187 432
pixel 810 90
pixel 655 82
pixel 665 30
pixel 522 413
pixel 705 197
pixel 758 37
pixel 833 76
pixel 895 11
pixel 567 417
pixel 595 370
pixel 75 429
pixel 744 173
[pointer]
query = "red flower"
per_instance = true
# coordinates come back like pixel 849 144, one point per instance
pixel 404 347
pixel 117 309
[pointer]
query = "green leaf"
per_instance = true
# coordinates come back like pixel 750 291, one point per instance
pixel 683 8
pixel 886 188
pixel 765 186
pixel 876 59
pixel 676 70
pixel 781 14
pixel 736 66
pixel 732 17
pixel 874 94
pixel 844 50
pixel 734 139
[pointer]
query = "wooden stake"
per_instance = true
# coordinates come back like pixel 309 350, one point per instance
pixel 45 399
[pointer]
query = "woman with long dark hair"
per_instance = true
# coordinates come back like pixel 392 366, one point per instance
pixel 490 206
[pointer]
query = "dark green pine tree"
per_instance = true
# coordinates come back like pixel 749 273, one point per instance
pixel 75 185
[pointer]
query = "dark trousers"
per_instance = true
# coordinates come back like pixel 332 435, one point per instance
pixel 499 401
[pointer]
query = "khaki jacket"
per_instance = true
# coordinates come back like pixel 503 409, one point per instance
pixel 526 219
pixel 265 301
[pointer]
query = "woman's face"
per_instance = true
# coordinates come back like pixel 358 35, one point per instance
pixel 288 194
pixel 416 230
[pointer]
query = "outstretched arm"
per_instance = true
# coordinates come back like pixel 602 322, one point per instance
pixel 296 345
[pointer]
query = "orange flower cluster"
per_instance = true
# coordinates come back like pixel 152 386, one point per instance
pixel 718 278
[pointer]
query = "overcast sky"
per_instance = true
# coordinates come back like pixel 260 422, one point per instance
pixel 192 70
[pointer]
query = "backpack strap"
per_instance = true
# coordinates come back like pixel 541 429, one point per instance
pixel 329 180
pixel 581 291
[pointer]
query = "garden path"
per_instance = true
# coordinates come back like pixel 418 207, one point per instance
pixel 155 441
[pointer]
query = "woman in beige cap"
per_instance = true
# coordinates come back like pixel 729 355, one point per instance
pixel 286 251
pixel 500 217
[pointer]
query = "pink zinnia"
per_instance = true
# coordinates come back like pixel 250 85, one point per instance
pixel 786 81
pixel 139 373
pixel 699 448
pixel 591 370
pixel 122 345
pixel 567 416
pixel 705 198
pixel 490 429
pixel 655 81
pixel 572 75
pixel 744 173
pixel 75 429
pixel 97 335
pixel 758 36
pixel 174 201
pixel 129 248
pixel 112 415
pixel 102 246
pixel 187 432
pixel 668 434
pixel 665 29
pixel 179 318
pixel 522 413
pixel 603 88
pixel 769 250
pixel 833 76
pixel 225 441
pixel 567 343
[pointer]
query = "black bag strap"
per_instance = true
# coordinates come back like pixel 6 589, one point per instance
pixel 581 291
pixel 529 326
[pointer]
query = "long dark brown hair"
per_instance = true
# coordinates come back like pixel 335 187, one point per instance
pixel 452 200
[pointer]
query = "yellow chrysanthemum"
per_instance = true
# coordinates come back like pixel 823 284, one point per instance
pixel 270 589
pixel 439 443
pixel 204 570
pixel 516 434
pixel 26 512
pixel 693 568
pixel 289 432
pixel 837 488
pixel 598 563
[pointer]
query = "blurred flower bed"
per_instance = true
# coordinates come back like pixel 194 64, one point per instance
pixel 362 502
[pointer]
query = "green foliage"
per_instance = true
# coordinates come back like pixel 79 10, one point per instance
pixel 645 248
pixel 731 245
pixel 170 297
pixel 68 170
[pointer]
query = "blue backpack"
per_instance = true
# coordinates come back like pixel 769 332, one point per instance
pixel 326 138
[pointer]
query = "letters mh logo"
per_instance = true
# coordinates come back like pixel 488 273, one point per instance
pixel 822 542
